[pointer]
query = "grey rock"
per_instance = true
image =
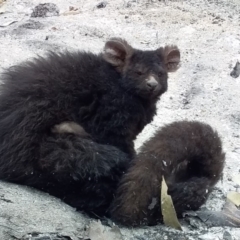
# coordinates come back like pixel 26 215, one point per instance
pixel 45 10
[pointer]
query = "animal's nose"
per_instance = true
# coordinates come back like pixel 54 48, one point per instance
pixel 152 83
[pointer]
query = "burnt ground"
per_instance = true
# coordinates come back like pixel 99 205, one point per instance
pixel 208 35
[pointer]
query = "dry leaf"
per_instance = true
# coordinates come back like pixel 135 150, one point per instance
pixel 234 197
pixel 168 210
pixel 113 233
pixel 98 232
pixel 2 7
pixel 236 179
pixel 72 11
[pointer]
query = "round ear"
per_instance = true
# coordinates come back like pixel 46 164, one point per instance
pixel 116 51
pixel 171 56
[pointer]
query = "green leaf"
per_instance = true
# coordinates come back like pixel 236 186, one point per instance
pixel 168 211
pixel 234 197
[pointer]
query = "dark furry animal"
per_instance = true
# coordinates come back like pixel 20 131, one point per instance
pixel 188 154
pixel 112 95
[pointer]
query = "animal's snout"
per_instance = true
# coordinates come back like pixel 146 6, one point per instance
pixel 151 83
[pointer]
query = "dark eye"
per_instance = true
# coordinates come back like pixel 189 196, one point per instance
pixel 160 74
pixel 139 73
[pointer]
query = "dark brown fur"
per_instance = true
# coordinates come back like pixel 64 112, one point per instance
pixel 188 154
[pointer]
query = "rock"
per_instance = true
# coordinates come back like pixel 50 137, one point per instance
pixel 32 25
pixel 236 70
pixel 45 10
pixel 227 236
pixel 102 4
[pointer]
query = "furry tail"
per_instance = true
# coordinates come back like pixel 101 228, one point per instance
pixel 188 154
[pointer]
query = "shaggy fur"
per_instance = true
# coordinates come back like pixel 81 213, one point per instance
pixel 112 95
pixel 188 154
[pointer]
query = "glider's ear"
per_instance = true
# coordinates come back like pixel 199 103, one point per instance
pixel 117 51
pixel 171 56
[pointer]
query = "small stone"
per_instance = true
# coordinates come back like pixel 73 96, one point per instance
pixel 45 10
pixel 236 70
pixel 227 236
pixel 102 5
pixel 32 25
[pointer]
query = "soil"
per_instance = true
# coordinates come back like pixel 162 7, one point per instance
pixel 208 35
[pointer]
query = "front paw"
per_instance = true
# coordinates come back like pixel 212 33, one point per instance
pixel 112 164
pixel 99 161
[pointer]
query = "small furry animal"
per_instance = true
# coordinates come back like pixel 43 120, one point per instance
pixel 112 95
pixel 188 154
